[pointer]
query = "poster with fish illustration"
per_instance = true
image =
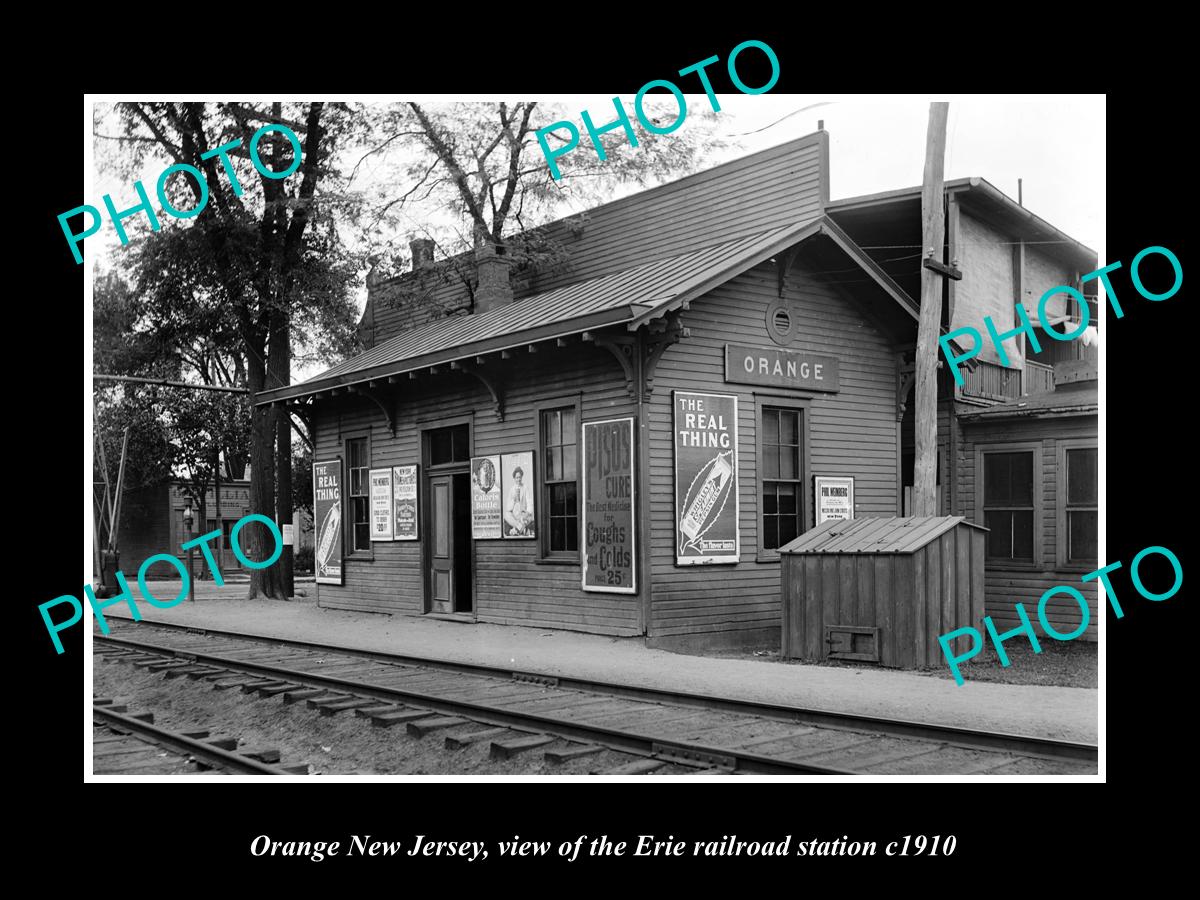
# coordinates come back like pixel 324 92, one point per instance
pixel 327 516
pixel 706 490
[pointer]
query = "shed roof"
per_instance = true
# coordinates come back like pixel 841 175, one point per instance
pixel 629 297
pixel 875 535
pixel 1077 399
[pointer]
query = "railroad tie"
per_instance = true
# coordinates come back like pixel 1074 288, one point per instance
pixel 193 670
pixel 332 709
pixel 422 727
pixel 223 743
pixel 368 711
pixel 402 716
pixel 262 754
pixel 303 694
pixel 509 749
pixel 251 686
pixel 230 683
pixel 167 664
pixel 637 767
pixel 575 751
pixel 318 702
pixel 281 688
pixel 459 741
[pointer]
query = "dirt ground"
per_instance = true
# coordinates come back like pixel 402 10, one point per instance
pixel 1063 664
pixel 343 744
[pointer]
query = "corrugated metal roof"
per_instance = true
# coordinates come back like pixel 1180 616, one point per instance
pixel 610 299
pixel 649 285
pixel 875 535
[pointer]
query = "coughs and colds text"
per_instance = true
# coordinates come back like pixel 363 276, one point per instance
pixel 603 846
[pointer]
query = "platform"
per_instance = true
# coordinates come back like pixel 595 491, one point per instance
pixel 1052 712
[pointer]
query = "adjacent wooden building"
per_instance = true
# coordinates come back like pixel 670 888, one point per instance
pixel 621 443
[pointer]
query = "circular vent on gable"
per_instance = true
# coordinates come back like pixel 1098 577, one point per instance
pixel 781 323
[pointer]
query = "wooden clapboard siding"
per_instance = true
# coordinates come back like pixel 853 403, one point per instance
pixel 852 432
pixel 912 597
pixel 986 288
pixel 508 585
pixel 1008 585
pixel 778 186
pixel 1043 272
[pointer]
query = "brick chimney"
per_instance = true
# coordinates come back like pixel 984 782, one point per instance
pixel 495 289
pixel 422 253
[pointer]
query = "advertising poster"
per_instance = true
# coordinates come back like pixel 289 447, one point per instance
pixel 327 520
pixel 381 504
pixel 519 514
pixel 404 503
pixel 485 498
pixel 835 498
pixel 609 540
pixel 706 463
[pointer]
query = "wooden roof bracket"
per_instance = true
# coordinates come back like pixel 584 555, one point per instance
pixel 622 346
pixel 376 397
pixel 783 264
pixel 906 374
pixel 489 381
pixel 660 334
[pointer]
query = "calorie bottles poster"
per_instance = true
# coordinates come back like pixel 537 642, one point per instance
pixel 706 495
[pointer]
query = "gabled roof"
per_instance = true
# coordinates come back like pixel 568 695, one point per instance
pixel 875 535
pixel 631 297
pixel 982 198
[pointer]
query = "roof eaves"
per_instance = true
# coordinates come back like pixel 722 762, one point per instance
pixel 548 332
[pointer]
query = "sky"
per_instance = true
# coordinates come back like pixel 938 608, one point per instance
pixel 1054 143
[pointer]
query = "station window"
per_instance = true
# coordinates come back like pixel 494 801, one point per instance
pixel 781 473
pixel 1008 505
pixel 359 464
pixel 1078 493
pixel 560 476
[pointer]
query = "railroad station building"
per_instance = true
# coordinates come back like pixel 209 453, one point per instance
pixel 621 442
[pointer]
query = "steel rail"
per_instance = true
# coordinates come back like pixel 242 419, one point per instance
pixel 954 735
pixel 207 752
pixel 614 738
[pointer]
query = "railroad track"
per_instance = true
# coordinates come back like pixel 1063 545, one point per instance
pixel 520 712
pixel 133 745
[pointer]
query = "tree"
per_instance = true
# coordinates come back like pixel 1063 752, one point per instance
pixel 256 262
pixel 482 162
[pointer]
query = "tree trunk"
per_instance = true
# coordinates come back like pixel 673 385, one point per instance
pixel 933 236
pixel 255 540
pixel 281 363
pixel 201 490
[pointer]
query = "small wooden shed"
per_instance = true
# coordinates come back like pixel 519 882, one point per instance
pixel 881 589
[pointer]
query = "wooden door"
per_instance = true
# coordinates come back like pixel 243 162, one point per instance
pixel 441 544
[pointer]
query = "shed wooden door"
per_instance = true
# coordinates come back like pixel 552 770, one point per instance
pixel 442 544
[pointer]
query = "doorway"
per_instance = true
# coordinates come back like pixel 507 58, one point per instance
pixel 448 549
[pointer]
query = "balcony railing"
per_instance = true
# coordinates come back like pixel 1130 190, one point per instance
pixel 992 382
pixel 1039 378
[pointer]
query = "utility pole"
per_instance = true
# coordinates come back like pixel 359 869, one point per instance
pixel 933 236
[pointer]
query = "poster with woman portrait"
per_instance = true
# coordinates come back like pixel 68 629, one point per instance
pixel 517 494
pixel 486 520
